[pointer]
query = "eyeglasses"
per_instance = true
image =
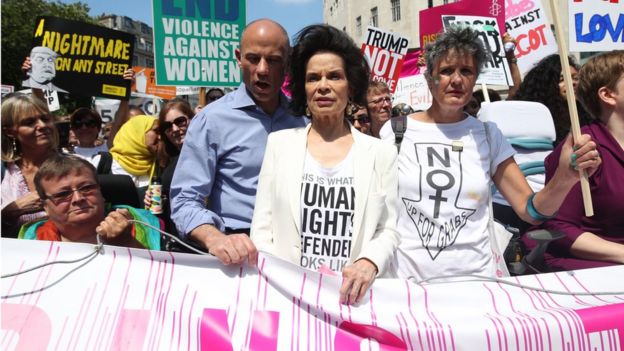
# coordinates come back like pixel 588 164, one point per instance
pixel 362 119
pixel 89 123
pixel 382 99
pixel 180 122
pixel 66 195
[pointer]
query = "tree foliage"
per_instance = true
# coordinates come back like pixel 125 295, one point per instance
pixel 18 22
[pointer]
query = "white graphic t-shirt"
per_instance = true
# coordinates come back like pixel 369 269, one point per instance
pixel 444 179
pixel 327 203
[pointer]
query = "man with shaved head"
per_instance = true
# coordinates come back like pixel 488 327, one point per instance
pixel 224 147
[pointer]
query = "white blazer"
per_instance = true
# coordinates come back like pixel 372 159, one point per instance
pixel 276 223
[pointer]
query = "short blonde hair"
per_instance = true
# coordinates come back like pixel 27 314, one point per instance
pixel 14 109
pixel 600 71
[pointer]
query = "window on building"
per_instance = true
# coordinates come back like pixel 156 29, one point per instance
pixel 374 20
pixel 145 29
pixel 149 63
pixel 148 46
pixel 358 26
pixel 135 60
pixel 128 22
pixel 396 10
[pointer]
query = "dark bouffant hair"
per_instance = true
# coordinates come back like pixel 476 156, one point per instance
pixel 324 38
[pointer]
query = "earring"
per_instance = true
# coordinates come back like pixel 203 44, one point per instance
pixel 307 112
pixel 351 109
pixel 14 146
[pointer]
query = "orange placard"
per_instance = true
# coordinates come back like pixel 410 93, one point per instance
pixel 145 82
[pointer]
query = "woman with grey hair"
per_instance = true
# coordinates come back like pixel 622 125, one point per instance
pixel 447 163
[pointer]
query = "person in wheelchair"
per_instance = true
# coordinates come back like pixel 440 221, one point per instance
pixel 595 241
pixel 72 199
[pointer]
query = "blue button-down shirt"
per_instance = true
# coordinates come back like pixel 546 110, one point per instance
pixel 221 159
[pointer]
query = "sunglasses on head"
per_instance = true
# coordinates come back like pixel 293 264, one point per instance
pixel 89 123
pixel 361 119
pixel 180 122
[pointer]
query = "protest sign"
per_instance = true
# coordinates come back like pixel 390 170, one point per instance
pixel 195 41
pixel 596 25
pixel 6 89
pixel 430 20
pixel 107 108
pixel 414 91
pixel 496 70
pixel 80 58
pixel 145 83
pixel 384 52
pixel 50 97
pixel 526 20
pixel 130 299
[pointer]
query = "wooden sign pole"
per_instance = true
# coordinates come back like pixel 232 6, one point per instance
pixel 567 77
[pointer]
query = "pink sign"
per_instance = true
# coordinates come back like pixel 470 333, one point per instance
pixel 431 19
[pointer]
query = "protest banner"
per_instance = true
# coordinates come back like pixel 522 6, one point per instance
pixel 130 299
pixel 384 52
pixel 430 20
pixel 195 41
pixel 526 20
pixel 80 58
pixel 496 70
pixel 596 25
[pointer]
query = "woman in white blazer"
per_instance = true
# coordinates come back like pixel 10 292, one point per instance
pixel 327 194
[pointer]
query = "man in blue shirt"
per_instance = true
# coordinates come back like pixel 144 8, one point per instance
pixel 224 147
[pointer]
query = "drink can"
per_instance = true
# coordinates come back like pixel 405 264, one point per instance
pixel 156 205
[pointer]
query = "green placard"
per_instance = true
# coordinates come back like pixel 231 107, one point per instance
pixel 195 40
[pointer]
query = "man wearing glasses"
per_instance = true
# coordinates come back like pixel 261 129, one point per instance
pixel 71 196
pixel 379 105
pixel 42 70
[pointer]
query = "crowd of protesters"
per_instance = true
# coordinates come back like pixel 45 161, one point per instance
pixel 254 170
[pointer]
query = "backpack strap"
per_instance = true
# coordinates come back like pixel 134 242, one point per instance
pixel 399 125
pixel 105 164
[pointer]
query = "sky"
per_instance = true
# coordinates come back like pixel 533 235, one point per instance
pixel 292 14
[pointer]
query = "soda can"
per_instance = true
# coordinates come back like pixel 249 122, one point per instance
pixel 156 205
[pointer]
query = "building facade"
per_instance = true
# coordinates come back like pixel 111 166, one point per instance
pixel 143 36
pixel 400 16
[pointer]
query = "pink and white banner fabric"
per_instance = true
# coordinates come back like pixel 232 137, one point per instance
pixel 142 300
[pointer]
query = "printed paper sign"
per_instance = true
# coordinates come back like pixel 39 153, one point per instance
pixel 596 25
pixel 385 52
pixel 195 42
pixel 430 20
pixel 526 20
pixel 496 70
pixel 80 58
pixel 130 299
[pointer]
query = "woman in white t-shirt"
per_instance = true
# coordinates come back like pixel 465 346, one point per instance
pixel 327 193
pixel 447 162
